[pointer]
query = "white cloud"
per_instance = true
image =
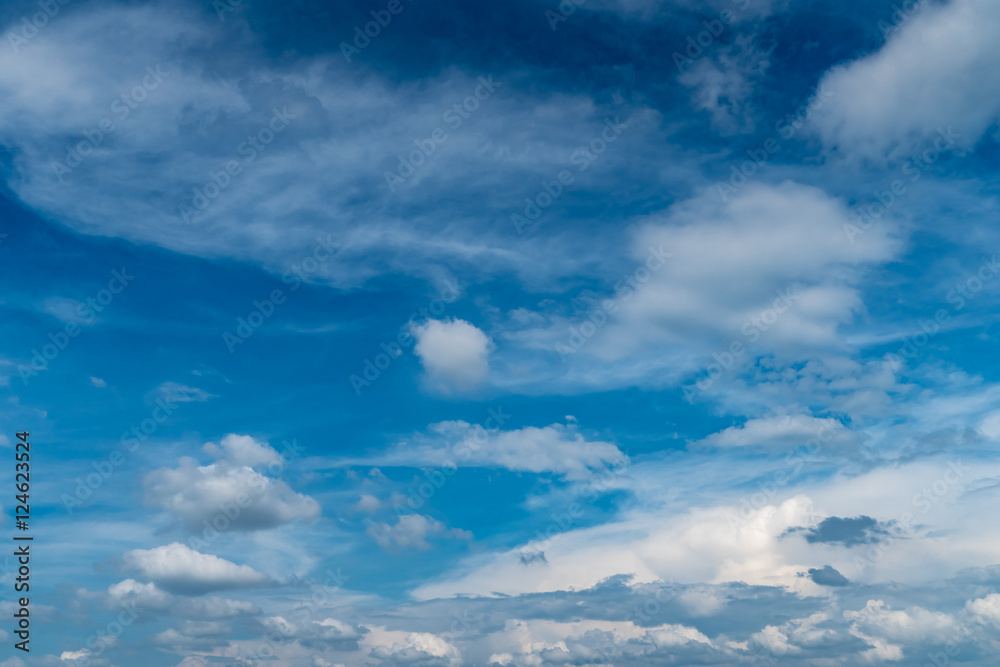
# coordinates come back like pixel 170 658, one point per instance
pixel 194 661
pixel 454 353
pixel 229 494
pixel 327 629
pixel 180 641
pixel 770 269
pixel 534 642
pixel 985 609
pixel 174 392
pixel 243 450
pixel 935 72
pixel 990 426
pixel 411 532
pixel 723 85
pixel 556 448
pixel 132 593
pixel 793 635
pixel 98 382
pixel 368 504
pixel 418 648
pixel 774 640
pixel 746 528
pixel 144 594
pixel 732 261
pixel 65 309
pixel 346 133
pixel 780 433
pixel 177 568
pixel 700 545
pixel 878 622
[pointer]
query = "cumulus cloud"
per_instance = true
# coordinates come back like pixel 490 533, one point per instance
pixel 231 493
pixel 368 504
pixel 701 545
pixel 679 534
pixel 792 637
pixel 985 609
pixel 180 569
pixel 454 353
pixel 205 608
pixel 990 426
pixel 411 532
pixel 419 648
pixel 328 632
pixel 933 73
pixel 764 270
pixel 243 450
pixel 889 630
pixel 584 642
pixel 734 258
pixel 558 448
pixel 181 642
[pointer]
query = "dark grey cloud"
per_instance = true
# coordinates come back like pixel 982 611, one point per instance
pixel 827 576
pixel 846 531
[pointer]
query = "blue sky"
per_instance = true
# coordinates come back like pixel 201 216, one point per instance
pixel 615 332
